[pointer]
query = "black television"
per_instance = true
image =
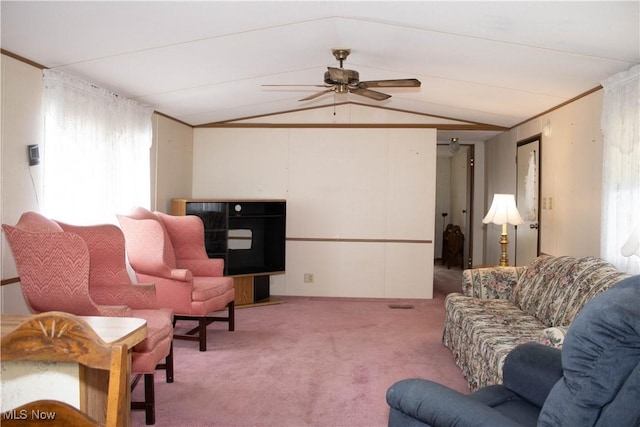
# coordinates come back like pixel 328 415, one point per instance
pixel 250 235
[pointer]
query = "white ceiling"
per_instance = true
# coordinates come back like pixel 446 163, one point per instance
pixel 495 63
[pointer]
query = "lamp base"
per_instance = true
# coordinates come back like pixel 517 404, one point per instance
pixel 504 258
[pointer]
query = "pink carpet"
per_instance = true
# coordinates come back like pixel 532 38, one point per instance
pixel 306 362
pixel 446 280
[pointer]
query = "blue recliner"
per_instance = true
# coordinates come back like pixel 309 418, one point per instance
pixel 593 381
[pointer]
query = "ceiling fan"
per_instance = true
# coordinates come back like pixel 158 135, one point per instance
pixel 341 80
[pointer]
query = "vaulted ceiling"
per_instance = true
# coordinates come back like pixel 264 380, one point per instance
pixel 489 63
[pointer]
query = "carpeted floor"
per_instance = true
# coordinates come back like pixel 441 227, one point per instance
pixel 446 280
pixel 307 362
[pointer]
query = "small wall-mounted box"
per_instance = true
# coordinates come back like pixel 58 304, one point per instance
pixel 34 154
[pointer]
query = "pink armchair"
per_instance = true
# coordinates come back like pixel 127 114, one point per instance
pixel 169 250
pixel 81 270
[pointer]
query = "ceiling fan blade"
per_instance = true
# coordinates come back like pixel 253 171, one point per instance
pixel 294 85
pixel 378 96
pixel 315 95
pixel 390 83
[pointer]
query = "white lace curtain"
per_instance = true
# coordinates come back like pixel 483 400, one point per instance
pixel 620 240
pixel 96 151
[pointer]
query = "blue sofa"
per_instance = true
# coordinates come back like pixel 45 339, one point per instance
pixel 593 381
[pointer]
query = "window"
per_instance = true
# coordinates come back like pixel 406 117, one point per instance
pixel 96 151
pixel 620 241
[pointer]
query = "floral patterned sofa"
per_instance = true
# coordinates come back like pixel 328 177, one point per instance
pixel 501 307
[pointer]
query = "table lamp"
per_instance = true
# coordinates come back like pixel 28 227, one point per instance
pixel 503 211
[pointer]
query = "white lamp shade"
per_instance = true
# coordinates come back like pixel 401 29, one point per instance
pixel 503 211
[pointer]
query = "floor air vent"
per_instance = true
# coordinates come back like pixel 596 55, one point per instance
pixel 401 306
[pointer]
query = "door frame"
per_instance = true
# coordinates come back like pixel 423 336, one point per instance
pixel 471 159
pixel 469 196
pixel 520 143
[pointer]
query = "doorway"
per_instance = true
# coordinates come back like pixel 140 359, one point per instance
pixel 528 200
pixel 454 202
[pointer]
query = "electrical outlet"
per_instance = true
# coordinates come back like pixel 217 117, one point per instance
pixel 308 278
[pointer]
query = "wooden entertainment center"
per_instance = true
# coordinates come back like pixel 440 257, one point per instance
pixel 249 234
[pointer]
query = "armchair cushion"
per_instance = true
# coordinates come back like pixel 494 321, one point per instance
pixel 109 280
pixel 145 243
pixel 161 239
pixel 147 361
pixel 601 357
pixel 187 238
pixel 186 233
pixel 157 321
pixel 531 370
pixel 37 223
pixel 205 288
pixel 105 243
pixel 416 402
pixel 136 296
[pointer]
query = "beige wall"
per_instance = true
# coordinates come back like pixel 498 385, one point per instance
pixel 374 185
pixel 570 176
pixel 171 162
pixel 22 125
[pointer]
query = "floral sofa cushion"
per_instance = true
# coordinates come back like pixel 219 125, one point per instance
pixel 554 289
pixel 503 307
pixel 481 332
pixel 491 282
